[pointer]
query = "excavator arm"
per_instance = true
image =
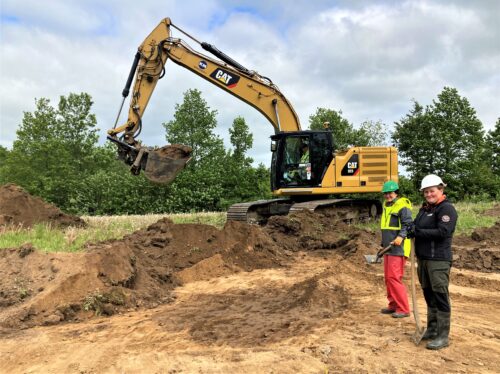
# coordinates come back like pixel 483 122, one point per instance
pixel 161 165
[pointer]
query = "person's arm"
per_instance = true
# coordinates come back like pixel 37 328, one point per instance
pixel 447 221
pixel 405 218
pixel 406 221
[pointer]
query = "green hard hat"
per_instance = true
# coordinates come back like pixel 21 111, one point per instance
pixel 390 186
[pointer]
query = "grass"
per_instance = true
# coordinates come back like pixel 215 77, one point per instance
pixel 470 216
pixel 73 239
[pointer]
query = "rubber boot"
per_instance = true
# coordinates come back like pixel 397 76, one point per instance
pixel 431 332
pixel 443 328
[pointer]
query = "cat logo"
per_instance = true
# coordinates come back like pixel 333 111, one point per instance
pixel 351 167
pixel 228 79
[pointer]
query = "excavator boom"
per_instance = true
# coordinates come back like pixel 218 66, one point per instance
pixel 162 165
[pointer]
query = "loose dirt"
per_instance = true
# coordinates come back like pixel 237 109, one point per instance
pixel 293 296
pixel 480 251
pixel 19 208
pixel 175 151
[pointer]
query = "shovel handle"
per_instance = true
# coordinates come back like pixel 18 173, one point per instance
pixel 383 251
pixel 420 330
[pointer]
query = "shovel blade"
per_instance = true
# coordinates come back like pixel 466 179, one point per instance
pixel 418 335
pixel 163 165
pixel 373 259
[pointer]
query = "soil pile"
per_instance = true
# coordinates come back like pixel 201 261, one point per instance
pixel 480 251
pixel 17 207
pixel 309 231
pixel 493 212
pixel 139 270
pixel 315 293
pixel 488 235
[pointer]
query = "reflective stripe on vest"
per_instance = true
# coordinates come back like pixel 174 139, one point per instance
pixel 385 220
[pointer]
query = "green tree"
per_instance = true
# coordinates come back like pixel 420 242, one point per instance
pixel 412 136
pixel 53 151
pixel 217 178
pixel 447 139
pixel 343 132
pixel 373 134
pixel 3 153
pixel 199 186
pixel 241 139
pixel 193 125
pixel 241 181
pixel 489 171
pixel 493 148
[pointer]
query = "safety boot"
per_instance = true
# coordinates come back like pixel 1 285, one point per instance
pixel 431 331
pixel 443 330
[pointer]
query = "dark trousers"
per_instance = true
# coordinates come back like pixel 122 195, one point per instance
pixel 434 277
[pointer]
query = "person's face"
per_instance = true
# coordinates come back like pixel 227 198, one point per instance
pixel 432 194
pixel 390 196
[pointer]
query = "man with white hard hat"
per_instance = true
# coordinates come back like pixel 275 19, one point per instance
pixel 434 227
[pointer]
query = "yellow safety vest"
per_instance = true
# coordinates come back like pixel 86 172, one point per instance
pixel 305 158
pixel 395 225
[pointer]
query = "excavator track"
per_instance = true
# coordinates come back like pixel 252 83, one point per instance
pixel 258 212
pixel 345 210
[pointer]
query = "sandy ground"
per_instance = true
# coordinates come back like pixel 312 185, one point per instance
pixel 294 296
pixel 270 321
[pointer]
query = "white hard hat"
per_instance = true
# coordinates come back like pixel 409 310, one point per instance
pixel 431 180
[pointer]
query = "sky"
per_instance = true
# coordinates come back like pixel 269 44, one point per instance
pixel 369 59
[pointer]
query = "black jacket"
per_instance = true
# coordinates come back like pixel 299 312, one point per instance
pixel 434 227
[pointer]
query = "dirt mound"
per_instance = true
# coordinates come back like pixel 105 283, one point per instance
pixel 480 251
pixel 493 212
pixel 480 258
pixel 313 293
pixel 309 231
pixel 475 281
pixel 17 207
pixel 284 311
pixel 490 234
pixel 139 270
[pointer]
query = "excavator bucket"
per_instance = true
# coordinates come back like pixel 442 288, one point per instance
pixel 160 165
pixel 163 164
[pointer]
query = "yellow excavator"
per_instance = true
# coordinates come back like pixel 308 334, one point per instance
pixel 305 167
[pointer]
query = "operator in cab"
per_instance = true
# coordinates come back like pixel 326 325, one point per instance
pixel 304 149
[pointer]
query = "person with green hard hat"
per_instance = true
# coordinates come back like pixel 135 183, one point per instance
pixel 395 223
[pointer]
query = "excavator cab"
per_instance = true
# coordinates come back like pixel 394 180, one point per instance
pixel 300 158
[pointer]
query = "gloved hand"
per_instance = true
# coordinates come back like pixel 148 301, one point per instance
pixel 397 241
pixel 410 231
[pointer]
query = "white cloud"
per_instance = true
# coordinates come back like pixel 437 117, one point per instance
pixel 368 59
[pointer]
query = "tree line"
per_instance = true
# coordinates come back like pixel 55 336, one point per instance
pixel 56 155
